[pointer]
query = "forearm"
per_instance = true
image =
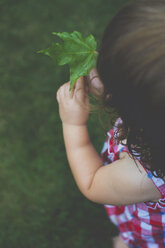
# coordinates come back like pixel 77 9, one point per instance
pixel 82 156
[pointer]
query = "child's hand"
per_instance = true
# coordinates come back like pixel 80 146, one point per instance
pixel 74 104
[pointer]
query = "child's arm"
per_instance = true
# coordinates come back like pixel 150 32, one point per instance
pixel 83 158
pixel 74 111
pixel 118 183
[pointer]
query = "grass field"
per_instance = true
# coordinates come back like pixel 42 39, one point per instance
pixel 40 205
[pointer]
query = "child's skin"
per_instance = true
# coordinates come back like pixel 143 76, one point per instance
pixel 119 183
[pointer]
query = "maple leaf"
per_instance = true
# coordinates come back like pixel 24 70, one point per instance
pixel 75 50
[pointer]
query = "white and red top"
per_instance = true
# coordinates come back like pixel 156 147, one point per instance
pixel 141 225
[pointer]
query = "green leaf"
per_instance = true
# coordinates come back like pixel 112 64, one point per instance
pixel 75 50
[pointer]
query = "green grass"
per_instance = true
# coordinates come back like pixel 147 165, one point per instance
pixel 40 205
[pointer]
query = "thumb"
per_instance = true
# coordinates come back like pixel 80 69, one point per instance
pixel 95 84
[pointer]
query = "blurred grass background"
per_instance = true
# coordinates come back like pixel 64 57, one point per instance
pixel 40 205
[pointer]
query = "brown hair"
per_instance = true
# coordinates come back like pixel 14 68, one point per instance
pixel 131 65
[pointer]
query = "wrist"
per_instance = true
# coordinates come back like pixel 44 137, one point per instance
pixel 75 135
pixel 70 125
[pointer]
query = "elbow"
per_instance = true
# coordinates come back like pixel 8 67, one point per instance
pixel 89 195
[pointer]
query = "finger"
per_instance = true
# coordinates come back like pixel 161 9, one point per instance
pixel 96 83
pixel 59 93
pixel 68 93
pixel 96 86
pixel 94 78
pixel 79 83
pixel 86 85
pixel 80 88
pixel 93 73
pixel 57 96
pixel 66 89
pixel 71 93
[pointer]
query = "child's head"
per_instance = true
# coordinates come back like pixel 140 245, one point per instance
pixel 131 65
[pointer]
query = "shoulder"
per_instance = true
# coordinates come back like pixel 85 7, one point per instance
pixel 122 182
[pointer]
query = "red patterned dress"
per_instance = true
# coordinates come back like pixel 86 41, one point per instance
pixel 141 225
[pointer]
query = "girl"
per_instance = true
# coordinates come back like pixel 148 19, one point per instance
pixel 131 66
